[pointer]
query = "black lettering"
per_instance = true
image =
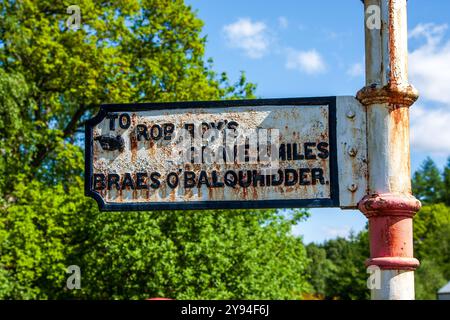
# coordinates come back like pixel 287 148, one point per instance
pixel 317 175
pixel 113 180
pixel 124 121
pixel 258 178
pixel 140 180
pixel 203 179
pixel 189 179
pixel 291 177
pixel 268 177
pixel 190 128
pixel 230 182
pixel 297 156
pixel 99 181
pixel 219 125
pixel 156 132
pixel 309 155
pixel 128 182
pixel 323 148
pixel 289 151
pixel 168 128
pixel 246 153
pixel 277 182
pixel 172 180
pixel 205 127
pixel 232 125
pixel 192 155
pixel 112 120
pixel 154 177
pixel 303 176
pixel 141 131
pixel 242 176
pixel 282 152
pixel 215 182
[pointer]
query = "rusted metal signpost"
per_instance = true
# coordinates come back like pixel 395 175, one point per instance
pixel 227 154
pixel 389 205
pixel 342 152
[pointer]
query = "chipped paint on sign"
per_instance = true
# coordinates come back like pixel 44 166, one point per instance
pixel 138 159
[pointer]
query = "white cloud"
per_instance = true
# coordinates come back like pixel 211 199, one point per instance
pixel 430 130
pixel 310 61
pixel 356 70
pixel 283 22
pixel 429 64
pixel 432 32
pixel 429 68
pixel 252 37
pixel 333 232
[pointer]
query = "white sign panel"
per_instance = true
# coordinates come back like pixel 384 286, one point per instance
pixel 226 154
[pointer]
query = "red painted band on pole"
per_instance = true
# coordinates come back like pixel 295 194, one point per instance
pixel 393 204
pixel 394 263
pixel 390 229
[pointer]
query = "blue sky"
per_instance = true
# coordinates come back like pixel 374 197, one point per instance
pixel 299 48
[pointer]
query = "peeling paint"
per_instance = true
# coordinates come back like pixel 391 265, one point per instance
pixel 300 128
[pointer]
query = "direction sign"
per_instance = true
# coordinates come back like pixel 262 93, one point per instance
pixel 224 154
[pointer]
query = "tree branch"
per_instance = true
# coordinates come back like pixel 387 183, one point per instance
pixel 72 125
pixel 44 149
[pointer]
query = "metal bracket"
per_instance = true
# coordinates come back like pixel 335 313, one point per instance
pixel 351 133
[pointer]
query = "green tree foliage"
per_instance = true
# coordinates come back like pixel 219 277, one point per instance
pixel 125 51
pixel 427 183
pixel 36 237
pixel 192 255
pixel 320 270
pixel 428 279
pixel 337 270
pixel 446 177
pixel 432 248
pixel 430 217
pixel 432 229
pixel 51 80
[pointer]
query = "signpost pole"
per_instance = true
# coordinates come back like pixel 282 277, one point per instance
pixel 389 205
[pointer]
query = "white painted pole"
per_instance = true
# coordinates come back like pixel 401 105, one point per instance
pixel 389 204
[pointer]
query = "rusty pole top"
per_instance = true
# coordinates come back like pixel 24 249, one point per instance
pixel 387 74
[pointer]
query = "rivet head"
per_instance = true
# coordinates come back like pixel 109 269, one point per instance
pixel 352 151
pixel 352 187
pixel 350 114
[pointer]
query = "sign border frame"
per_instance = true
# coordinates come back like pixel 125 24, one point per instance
pixel 333 201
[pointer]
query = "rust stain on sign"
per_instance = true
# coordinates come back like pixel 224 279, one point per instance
pixel 260 153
